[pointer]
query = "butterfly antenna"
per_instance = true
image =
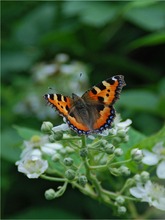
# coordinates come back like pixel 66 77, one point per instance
pixel 81 75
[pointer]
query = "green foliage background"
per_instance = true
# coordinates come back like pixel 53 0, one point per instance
pixel 111 38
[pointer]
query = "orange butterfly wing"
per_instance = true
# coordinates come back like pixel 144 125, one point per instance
pixel 60 102
pixel 98 104
pixel 105 93
pixel 63 104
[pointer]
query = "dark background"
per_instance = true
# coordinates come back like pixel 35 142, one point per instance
pixel 109 38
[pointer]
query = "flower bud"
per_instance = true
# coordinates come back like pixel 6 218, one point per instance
pixel 120 200
pixel 145 176
pixel 126 139
pixel 137 178
pixel 51 138
pixel 58 135
pixel 122 210
pixel 124 170
pixel 50 194
pixel 116 140
pixel 130 182
pixel 68 161
pixel 46 127
pixel 56 157
pixel 118 152
pixel 70 174
pixel 83 152
pixel 103 143
pixel 121 133
pixel 109 149
pixel 82 180
pixel 136 154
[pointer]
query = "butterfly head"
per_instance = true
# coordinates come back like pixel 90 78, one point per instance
pixel 75 97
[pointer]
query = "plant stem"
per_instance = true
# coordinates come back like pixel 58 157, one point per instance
pixel 56 179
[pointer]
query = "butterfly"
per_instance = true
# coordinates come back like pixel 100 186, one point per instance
pixel 93 112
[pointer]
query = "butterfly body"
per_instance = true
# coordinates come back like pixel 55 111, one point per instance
pixel 93 112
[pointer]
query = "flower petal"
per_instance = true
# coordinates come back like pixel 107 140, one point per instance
pixel 124 124
pixel 158 148
pixel 62 127
pixel 150 158
pixel 159 205
pixel 137 191
pixel 161 170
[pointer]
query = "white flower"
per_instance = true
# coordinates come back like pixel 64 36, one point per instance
pixel 32 164
pixel 150 192
pixel 42 71
pixel 122 126
pixel 156 157
pixel 32 146
pixel 62 58
pixel 62 127
pixel 161 170
pixel 51 148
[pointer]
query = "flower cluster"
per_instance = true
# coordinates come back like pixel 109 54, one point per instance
pixel 32 162
pixel 62 71
pixel 150 192
pixel 58 154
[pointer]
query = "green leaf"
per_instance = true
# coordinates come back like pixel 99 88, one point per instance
pixel 138 140
pixel 125 64
pixel 99 13
pixel 149 40
pixel 148 17
pixel 140 100
pixel 26 133
pixel 134 138
pixel 93 13
pixel 10 142
pixel 10 60
pixel 31 28
pixel 149 142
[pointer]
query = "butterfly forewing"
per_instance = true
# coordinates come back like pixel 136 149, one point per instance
pixel 59 102
pixel 106 92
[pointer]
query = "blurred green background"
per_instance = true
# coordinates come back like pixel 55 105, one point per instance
pixel 97 39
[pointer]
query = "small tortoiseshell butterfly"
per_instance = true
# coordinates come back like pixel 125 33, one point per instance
pixel 94 111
